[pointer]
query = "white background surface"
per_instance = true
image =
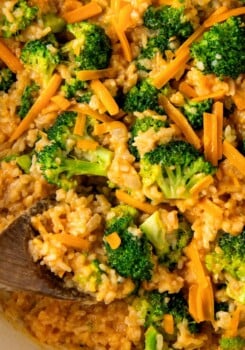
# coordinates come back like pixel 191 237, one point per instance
pixel 12 339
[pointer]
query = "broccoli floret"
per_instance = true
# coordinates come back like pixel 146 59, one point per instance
pixel 235 343
pixel 133 257
pixel 175 168
pixel 78 90
pixel 151 335
pixel 59 167
pixel 141 125
pixel 193 110
pixel 152 306
pixel 154 340
pixel 156 231
pixel 41 56
pixel 27 99
pixel 168 245
pixel 24 161
pixel 228 256
pixel 54 22
pixel 141 97
pixel 91 48
pixel 170 19
pixel 158 42
pixel 7 78
pixel 221 306
pixel 169 27
pixel 61 131
pixel 222 49
pixel 22 16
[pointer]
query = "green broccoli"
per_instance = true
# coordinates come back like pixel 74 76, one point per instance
pixel 169 27
pixel 27 99
pixel 175 168
pixel 91 47
pixel 228 256
pixel 154 340
pixel 133 257
pixel 7 78
pixel 235 343
pixel 222 49
pixel 61 160
pixel 170 19
pixel 141 97
pixel 22 16
pixel 221 306
pixel 141 125
pixel 158 42
pixel 59 167
pixel 61 132
pixel 77 89
pixel 54 22
pixel 24 161
pixel 153 305
pixel 168 245
pixel 194 112
pixel 41 56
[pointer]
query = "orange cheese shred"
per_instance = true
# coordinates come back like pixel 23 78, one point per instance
pixel 69 5
pixel 87 145
pixel 234 156
pixel 41 102
pixel 105 96
pixel 7 56
pixel 234 323
pixel 201 185
pixel 214 137
pixel 124 18
pixel 82 12
pixel 79 125
pixel 194 36
pixel 213 95
pixel 168 323
pixel 187 90
pixel 193 300
pixel 239 99
pixel 180 120
pixel 103 128
pixel 218 109
pixel 224 16
pixel 123 40
pixel 83 108
pixel 210 133
pixel 201 298
pixel 163 77
pixel 61 102
pixel 200 30
pixel 173 3
pixel 114 240
pixel 91 74
pixel 115 6
pixel 193 254
pixel 128 199
pixel 208 301
pixel 71 241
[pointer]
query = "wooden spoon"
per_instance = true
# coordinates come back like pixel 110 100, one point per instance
pixel 18 271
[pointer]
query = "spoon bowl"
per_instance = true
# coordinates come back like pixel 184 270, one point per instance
pixel 18 271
